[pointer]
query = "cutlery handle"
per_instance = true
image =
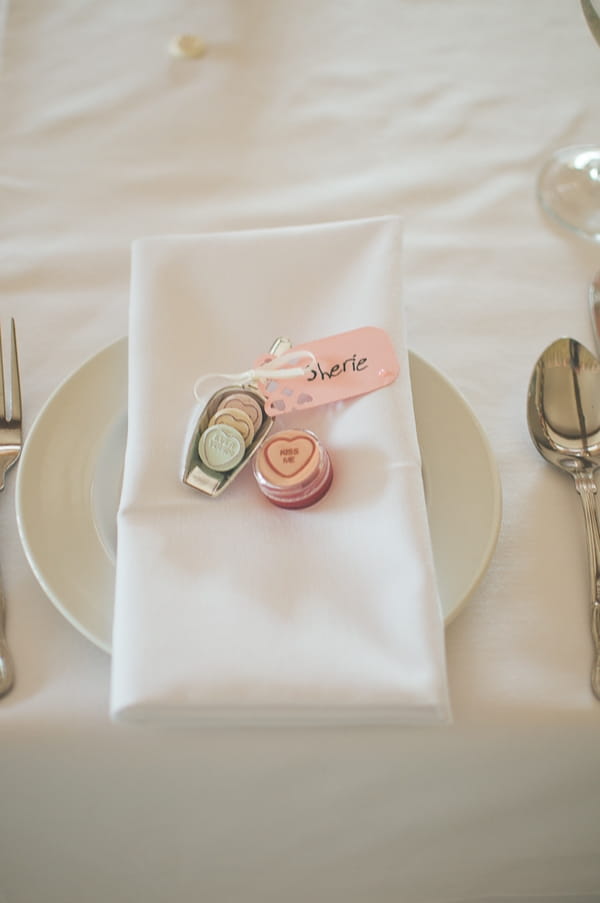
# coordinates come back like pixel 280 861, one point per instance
pixel 7 673
pixel 596 636
pixel 586 487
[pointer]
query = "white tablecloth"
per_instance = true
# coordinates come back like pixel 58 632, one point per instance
pixel 300 113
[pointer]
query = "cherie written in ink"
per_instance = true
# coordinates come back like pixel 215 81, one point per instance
pixel 351 364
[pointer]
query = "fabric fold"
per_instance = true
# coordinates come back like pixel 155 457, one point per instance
pixel 228 609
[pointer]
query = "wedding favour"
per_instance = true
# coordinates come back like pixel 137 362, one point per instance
pixel 217 450
pixel 237 419
pixel 233 423
pixel 293 469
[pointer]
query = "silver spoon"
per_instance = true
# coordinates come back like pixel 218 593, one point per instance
pixel 594 299
pixel 563 415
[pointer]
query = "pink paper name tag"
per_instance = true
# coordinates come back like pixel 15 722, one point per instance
pixel 346 365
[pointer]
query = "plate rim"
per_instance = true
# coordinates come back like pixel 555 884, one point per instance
pixel 495 484
pixel 119 348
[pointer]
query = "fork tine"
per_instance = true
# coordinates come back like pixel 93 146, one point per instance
pixel 15 378
pixel 2 404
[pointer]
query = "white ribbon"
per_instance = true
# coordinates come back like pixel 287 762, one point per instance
pixel 269 371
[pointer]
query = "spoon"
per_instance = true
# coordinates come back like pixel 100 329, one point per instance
pixel 563 415
pixel 594 299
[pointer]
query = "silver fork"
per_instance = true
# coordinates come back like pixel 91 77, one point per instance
pixel 11 442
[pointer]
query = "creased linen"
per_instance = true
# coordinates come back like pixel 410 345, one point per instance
pixel 229 608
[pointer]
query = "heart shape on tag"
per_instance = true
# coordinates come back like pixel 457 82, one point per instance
pixel 290 454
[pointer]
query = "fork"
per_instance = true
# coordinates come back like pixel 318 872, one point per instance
pixel 11 442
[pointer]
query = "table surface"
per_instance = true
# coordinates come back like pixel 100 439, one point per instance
pixel 302 113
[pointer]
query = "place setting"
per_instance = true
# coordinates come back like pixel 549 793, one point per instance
pixel 301 551
pixel 195 520
pixel 563 417
pixel 562 396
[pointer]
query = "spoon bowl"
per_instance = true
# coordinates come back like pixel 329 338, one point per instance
pixel 563 415
pixel 563 411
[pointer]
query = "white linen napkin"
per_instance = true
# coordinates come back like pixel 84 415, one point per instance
pixel 230 609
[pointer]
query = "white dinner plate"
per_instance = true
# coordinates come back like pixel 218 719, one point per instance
pixel 69 480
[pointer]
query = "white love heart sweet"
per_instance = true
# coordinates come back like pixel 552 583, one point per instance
pixel 221 447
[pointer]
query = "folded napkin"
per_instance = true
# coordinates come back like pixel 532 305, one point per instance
pixel 230 609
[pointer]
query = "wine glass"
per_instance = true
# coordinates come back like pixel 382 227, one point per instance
pixel 568 186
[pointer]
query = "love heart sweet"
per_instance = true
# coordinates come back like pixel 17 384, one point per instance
pixel 291 455
pixel 221 447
